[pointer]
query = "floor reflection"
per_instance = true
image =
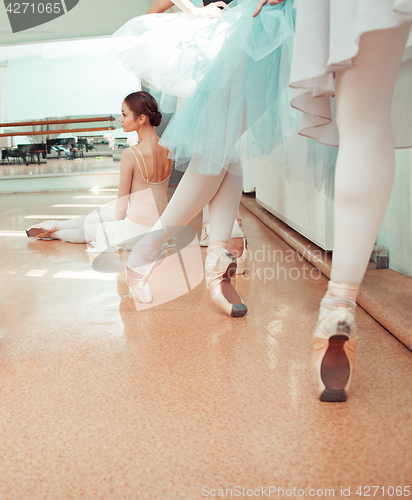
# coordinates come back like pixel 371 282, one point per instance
pixel 61 166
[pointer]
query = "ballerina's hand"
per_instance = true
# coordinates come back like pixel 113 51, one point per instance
pixel 210 11
pixel 264 2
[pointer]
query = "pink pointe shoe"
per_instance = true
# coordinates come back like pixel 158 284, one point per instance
pixel 42 230
pixel 139 287
pixel 220 268
pixel 334 344
pixel 242 261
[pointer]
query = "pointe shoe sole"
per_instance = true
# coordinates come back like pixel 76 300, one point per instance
pixel 238 309
pixel 335 371
pixel 334 355
pixel 33 233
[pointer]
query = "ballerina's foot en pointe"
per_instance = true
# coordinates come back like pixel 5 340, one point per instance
pixel 220 268
pixel 334 343
pixel 237 244
pixel 138 279
pixel 42 230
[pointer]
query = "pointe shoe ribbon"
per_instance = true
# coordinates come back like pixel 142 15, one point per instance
pixel 204 237
pixel 242 261
pixel 220 268
pixel 42 230
pixel 334 344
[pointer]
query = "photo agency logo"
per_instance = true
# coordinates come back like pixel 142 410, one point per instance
pixel 26 15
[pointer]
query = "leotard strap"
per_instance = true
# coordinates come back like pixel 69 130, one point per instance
pixel 144 163
pixel 145 167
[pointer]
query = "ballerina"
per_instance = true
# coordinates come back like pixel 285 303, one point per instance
pixel 142 196
pixel 365 52
pixel 238 85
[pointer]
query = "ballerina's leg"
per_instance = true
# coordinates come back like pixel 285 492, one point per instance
pixel 73 230
pixel 83 234
pixel 192 194
pixel 366 161
pixel 224 206
pixel 222 192
pixel 236 237
pixel 363 183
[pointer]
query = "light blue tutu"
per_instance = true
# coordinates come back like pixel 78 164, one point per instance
pixel 245 89
pixel 232 75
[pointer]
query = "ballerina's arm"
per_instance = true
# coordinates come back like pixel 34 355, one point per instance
pixel 264 2
pixel 125 185
pixel 160 6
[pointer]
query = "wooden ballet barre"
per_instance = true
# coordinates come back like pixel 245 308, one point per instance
pixel 58 122
pixel 58 132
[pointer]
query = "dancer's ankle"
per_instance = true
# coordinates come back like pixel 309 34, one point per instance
pixel 345 291
pixel 213 245
pixel 133 274
pixel 236 246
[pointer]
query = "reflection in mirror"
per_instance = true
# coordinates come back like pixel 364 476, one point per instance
pixel 61 104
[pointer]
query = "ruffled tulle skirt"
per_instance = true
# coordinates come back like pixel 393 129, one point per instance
pixel 232 75
pixel 327 39
pixel 170 52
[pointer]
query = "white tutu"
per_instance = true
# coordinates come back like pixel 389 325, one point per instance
pixel 169 65
pixel 327 38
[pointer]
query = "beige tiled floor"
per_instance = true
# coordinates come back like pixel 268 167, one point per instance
pixel 99 401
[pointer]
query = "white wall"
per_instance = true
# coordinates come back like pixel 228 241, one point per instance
pixel 395 233
pixel 50 85
pixel 88 18
pixel 24 95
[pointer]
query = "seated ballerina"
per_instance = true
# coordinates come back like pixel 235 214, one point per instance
pixel 142 197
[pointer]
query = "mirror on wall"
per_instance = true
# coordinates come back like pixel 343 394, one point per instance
pixel 68 95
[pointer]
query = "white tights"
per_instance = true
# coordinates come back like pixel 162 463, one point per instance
pixel 82 229
pixel 222 192
pixel 236 230
pixel 366 162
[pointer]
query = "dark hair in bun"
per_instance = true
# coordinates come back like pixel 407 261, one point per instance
pixel 142 103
